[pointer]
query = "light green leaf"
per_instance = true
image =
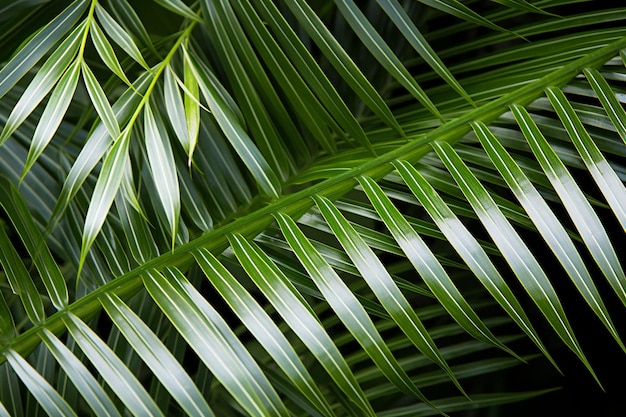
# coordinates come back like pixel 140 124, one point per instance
pixel 176 109
pixel 547 223
pixel 100 102
pixel 584 217
pixel 298 314
pixel 238 138
pixel 191 101
pixel 156 356
pixel 106 52
pixel 120 36
pixel 43 82
pixel 605 177
pixel 262 327
pixel 52 116
pixel 39 45
pixel 80 376
pixel 427 265
pixel 514 250
pixel 49 399
pixel 111 368
pixel 162 166
pixel 216 345
pixel 104 192
pixel 347 306
pixel 381 283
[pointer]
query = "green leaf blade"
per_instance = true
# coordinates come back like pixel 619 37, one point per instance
pixel 609 101
pixel 120 36
pixel 161 160
pixel 106 52
pixel 80 376
pixel 514 250
pixel 605 177
pixel 45 79
pixel 381 283
pixel 547 223
pixel 180 8
pixel 100 102
pixel 175 108
pixel 52 116
pixel 154 353
pixel 262 327
pixel 294 309
pixel 216 345
pixel 104 192
pixel 49 399
pixel 112 369
pixel 20 280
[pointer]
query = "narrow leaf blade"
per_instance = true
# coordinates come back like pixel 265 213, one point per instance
pixel 49 399
pixel 514 250
pixel 216 345
pixel 52 116
pixel 298 314
pixel 162 166
pixel 104 192
pixel 120 36
pixel 100 102
pixel 547 223
pixel 112 369
pixel 80 376
pixel 156 356
pixel 262 327
pixel 381 283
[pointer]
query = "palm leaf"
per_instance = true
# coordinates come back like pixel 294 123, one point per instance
pixel 267 221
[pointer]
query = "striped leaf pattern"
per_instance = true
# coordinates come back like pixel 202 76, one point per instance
pixel 302 208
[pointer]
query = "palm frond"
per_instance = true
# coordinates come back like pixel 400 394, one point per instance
pixel 305 208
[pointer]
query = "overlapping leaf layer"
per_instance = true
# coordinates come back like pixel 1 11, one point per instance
pixel 316 208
